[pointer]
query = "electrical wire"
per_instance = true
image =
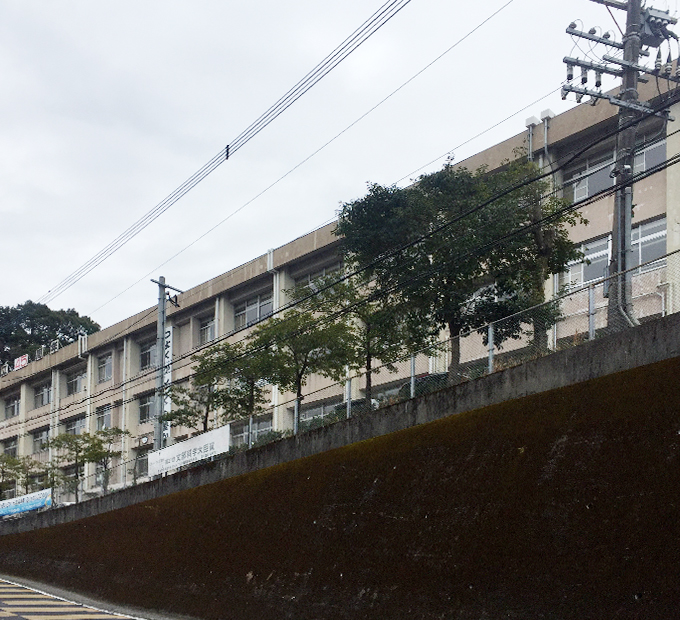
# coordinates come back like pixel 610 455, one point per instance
pixel 321 148
pixel 524 230
pixel 365 31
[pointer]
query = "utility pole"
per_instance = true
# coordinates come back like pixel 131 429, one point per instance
pixel 647 27
pixel 158 435
pixel 620 309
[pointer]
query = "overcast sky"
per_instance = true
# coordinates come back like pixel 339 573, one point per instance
pixel 108 106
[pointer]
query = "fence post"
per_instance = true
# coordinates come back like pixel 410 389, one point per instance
pixel 348 394
pixel 296 416
pixel 250 432
pixel 491 346
pixel 413 376
pixel 591 312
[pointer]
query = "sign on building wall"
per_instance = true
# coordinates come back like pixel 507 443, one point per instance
pixel 166 360
pixel 20 362
pixel 195 449
pixel 32 501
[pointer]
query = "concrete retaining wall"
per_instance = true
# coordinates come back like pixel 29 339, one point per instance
pixel 652 342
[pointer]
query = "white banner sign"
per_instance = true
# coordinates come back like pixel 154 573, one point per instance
pixel 31 501
pixel 166 361
pixel 195 449
pixel 21 362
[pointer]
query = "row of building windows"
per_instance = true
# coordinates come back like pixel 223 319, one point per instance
pixel 648 244
pixel 592 174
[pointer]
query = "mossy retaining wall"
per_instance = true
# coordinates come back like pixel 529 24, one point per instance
pixel 562 504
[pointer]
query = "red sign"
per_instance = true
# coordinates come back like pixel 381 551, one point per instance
pixel 20 362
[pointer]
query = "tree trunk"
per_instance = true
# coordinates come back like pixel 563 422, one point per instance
pixel 455 376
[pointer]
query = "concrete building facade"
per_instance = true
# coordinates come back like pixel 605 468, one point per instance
pixel 108 378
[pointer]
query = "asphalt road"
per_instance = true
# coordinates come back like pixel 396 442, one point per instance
pixel 20 602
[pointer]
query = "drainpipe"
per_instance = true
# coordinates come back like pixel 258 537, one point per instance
pixel 531 122
pixel 546 116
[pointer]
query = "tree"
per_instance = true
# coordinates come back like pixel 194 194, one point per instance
pixel 422 244
pixel 383 330
pixel 27 470
pixel 447 246
pixel 26 327
pixel 227 384
pixel 8 465
pixel 541 249
pixel 301 343
pixel 72 452
pixel 51 477
pixel 100 450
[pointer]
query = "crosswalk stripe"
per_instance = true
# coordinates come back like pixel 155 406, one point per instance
pixel 83 616
pixel 44 608
pixel 34 604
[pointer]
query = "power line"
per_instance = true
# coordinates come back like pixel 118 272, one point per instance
pixel 328 143
pixel 606 192
pixel 363 33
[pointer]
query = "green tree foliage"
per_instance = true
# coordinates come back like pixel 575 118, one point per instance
pixel 72 452
pixel 26 327
pixel 101 450
pixel 227 385
pixel 301 343
pixel 27 471
pixel 8 475
pixel 435 248
pixel 383 330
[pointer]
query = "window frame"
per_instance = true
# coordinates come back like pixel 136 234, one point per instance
pixel 102 413
pixel 42 435
pixel 148 402
pixel 148 350
pixel 14 403
pixel 13 447
pixel 75 425
pixel 206 330
pixel 77 378
pixel 258 303
pixel 104 367
pixel 42 394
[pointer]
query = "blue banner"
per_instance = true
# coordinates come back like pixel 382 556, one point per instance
pixel 32 501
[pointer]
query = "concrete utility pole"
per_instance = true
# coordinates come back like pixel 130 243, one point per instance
pixel 647 27
pixel 160 363
pixel 620 308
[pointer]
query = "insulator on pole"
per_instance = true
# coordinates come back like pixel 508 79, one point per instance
pixel 584 75
pixel 570 72
pixel 598 79
pixel 657 62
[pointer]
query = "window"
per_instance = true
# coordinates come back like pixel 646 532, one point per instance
pixel 315 275
pixel 9 446
pixel 206 331
pixel 75 381
pixel 239 432
pixel 40 438
pixel 596 257
pixel 75 426
pixel 147 408
pixel 142 464
pixel 588 177
pixel 104 367
pixel 42 394
pixel 252 310
pixel 648 243
pixel 147 355
pixel 103 417
pixel 650 157
pixel 12 406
